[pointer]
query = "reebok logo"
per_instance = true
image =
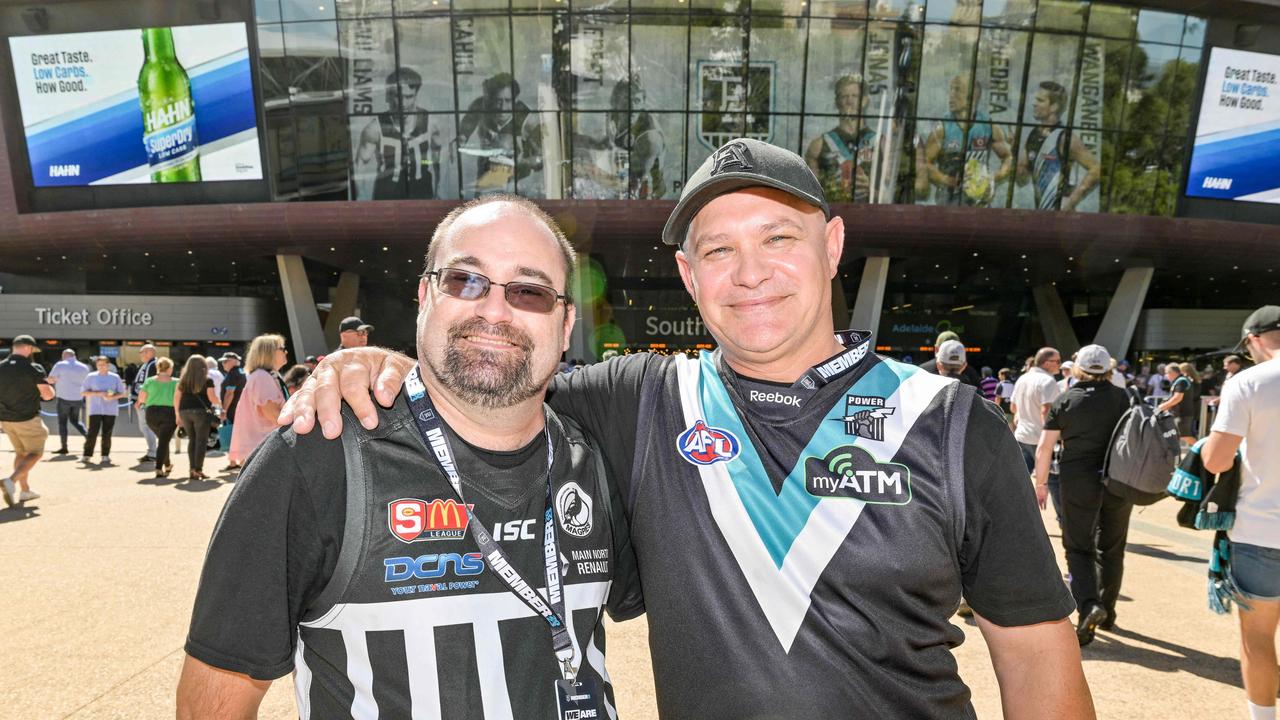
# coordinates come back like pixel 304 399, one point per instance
pixel 775 398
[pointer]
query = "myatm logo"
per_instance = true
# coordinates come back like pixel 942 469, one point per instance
pixel 413 520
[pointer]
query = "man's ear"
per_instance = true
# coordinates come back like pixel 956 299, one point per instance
pixel 835 244
pixel 570 317
pixel 422 291
pixel 686 275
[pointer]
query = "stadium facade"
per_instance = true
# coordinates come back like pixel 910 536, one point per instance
pixel 1020 171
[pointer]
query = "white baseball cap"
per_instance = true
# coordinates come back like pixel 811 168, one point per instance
pixel 951 353
pixel 1094 359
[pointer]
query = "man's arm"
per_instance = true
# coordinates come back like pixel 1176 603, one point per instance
pixel 1171 403
pixel 1080 154
pixel 1000 146
pixel 1038 669
pixel 931 151
pixel 1044 458
pixel 1219 452
pixel 46 391
pixel 205 691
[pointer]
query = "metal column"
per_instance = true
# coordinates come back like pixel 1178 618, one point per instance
pixel 870 299
pixel 1121 319
pixel 342 303
pixel 300 304
pixel 1054 320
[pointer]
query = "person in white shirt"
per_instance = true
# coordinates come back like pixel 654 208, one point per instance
pixel 1034 392
pixel 67 378
pixel 215 375
pixel 1249 421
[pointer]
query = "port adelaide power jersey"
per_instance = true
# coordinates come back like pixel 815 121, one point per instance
pixel 356 571
pixel 804 546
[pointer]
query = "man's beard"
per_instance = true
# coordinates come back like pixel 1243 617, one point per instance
pixel 483 377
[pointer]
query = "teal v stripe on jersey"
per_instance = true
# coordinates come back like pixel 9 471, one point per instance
pixel 779 517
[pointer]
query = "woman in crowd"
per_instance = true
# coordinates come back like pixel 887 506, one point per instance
pixel 196 401
pixel 263 395
pixel 157 395
pixel 1094 521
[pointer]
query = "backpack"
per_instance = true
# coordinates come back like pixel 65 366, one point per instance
pixel 1144 450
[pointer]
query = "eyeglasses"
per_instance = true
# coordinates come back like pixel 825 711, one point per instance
pixel 466 285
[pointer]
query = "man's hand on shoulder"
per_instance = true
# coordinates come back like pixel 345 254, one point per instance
pixel 346 375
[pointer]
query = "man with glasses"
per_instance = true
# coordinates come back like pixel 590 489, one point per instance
pixel 1033 395
pixel 397 571
pixel 802 508
pixel 353 332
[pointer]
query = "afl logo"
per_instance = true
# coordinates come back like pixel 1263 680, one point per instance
pixel 573 505
pixel 704 445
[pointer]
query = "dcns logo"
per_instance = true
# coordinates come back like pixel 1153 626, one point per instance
pixel 429 567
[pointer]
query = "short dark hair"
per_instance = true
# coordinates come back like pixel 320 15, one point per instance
pixel 523 205
pixel 1057 94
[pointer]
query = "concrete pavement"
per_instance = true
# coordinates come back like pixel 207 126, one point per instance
pixel 99 576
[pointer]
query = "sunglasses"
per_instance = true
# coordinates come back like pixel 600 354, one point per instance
pixel 466 285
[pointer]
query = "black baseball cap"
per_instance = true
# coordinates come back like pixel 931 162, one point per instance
pixel 353 323
pixel 25 340
pixel 738 164
pixel 1264 319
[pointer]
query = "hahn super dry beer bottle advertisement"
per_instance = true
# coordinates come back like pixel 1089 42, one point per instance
pixel 151 105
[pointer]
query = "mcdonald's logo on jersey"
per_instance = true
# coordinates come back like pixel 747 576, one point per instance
pixel 413 520
pixel 704 445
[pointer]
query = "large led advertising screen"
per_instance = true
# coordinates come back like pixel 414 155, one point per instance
pixel 151 105
pixel 1236 155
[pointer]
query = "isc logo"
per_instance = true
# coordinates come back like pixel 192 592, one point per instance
pixel 427 567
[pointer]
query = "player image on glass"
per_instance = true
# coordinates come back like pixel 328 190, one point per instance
pixel 466 285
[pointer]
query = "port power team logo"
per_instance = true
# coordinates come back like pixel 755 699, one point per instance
pixel 412 520
pixel 849 471
pixel 704 445
pixel 864 416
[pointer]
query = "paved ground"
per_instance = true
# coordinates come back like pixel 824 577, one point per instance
pixel 99 574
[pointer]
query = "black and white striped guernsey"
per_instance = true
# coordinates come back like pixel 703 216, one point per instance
pixel 408 621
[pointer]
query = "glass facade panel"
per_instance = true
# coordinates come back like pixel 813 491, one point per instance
pixel 1056 104
pixel 835 52
pixel 295 10
pixel 659 65
pixel 419 42
pixel 313 62
pixel 266 11
pixel 777 52
pixel 1152 73
pixel 362 8
pixel 1065 15
pixel 1113 21
pixel 599 56
pixel 1009 13
pixel 1161 27
pixel 958 12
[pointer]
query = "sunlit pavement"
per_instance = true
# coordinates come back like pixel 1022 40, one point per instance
pixel 99 576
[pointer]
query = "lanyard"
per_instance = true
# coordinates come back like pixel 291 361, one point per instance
pixel 433 436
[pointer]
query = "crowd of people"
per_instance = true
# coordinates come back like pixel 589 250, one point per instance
pixel 212 402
